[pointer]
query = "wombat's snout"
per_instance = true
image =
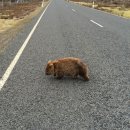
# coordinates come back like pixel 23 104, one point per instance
pixel 47 73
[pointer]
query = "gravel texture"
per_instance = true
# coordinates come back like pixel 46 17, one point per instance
pixel 32 101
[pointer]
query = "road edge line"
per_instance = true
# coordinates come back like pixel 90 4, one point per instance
pixel 20 51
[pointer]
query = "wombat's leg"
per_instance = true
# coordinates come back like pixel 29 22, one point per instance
pixel 74 75
pixel 54 74
pixel 59 75
pixel 55 69
pixel 87 72
pixel 85 75
pixel 83 72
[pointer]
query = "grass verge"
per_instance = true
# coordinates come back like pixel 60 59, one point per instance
pixel 10 27
pixel 114 9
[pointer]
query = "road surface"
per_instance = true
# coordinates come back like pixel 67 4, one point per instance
pixel 29 100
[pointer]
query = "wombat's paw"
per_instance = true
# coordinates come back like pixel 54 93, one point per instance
pixel 86 79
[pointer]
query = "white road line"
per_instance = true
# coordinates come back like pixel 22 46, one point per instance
pixel 73 10
pixel 96 23
pixel 19 53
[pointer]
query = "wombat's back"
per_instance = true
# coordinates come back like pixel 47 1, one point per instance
pixel 69 60
pixel 69 65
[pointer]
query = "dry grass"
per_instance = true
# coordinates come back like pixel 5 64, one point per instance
pixel 7 24
pixel 118 10
pixel 86 4
pixel 127 14
pixel 10 27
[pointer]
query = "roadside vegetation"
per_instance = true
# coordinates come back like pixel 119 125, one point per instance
pixel 11 14
pixel 14 16
pixel 118 7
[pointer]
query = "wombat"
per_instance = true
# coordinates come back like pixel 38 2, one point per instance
pixel 68 66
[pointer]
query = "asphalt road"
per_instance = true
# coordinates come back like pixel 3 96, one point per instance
pixel 29 100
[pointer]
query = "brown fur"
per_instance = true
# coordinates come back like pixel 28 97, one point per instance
pixel 67 67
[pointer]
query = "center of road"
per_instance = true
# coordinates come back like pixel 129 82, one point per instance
pixel 91 20
pixel 73 10
pixel 96 23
